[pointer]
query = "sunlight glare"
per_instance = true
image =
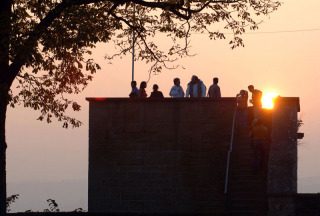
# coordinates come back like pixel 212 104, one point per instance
pixel 268 99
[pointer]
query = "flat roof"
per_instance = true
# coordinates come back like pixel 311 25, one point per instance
pixel 290 100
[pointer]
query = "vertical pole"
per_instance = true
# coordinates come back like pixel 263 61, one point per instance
pixel 133 42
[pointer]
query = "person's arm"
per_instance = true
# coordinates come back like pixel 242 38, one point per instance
pixel 182 92
pixel 171 92
pixel 203 90
pixel 188 91
pixel 209 91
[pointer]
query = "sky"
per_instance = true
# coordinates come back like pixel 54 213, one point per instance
pixel 46 161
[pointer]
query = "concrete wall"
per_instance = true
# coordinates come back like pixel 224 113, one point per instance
pixel 282 175
pixel 283 149
pixel 169 156
pixel 163 156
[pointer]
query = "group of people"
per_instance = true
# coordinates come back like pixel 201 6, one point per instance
pixel 259 134
pixel 141 92
pixel 256 100
pixel 195 88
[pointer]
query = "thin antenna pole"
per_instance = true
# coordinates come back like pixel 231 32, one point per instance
pixel 133 41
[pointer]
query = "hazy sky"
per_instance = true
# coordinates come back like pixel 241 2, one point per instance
pixel 45 161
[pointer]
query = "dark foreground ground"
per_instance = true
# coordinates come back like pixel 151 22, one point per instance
pixel 305 205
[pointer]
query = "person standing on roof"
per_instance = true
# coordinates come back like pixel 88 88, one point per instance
pixel 256 96
pixel 142 90
pixel 176 90
pixel 242 99
pixel 242 111
pixel 156 93
pixel 214 90
pixel 195 88
pixel 134 90
pixel 256 101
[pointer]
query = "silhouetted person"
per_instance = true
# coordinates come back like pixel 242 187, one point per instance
pixel 256 100
pixel 156 93
pixel 242 105
pixel 134 90
pixel 242 99
pixel 214 90
pixel 142 90
pixel 176 90
pixel 196 88
pixel 256 96
pixel 259 140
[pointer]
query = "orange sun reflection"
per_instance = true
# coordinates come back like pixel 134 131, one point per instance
pixel 268 99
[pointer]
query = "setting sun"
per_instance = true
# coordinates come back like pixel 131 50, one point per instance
pixel 268 99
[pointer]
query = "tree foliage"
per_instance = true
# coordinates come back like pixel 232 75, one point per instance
pixel 10 200
pixel 52 205
pixel 46 46
pixel 51 41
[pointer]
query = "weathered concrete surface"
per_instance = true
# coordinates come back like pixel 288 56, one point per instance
pixel 282 173
pixel 164 156
pixel 169 156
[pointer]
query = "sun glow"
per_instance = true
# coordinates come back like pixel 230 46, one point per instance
pixel 268 99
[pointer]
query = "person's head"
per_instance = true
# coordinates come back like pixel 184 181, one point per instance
pixel 133 84
pixel 143 85
pixel 176 81
pixel 155 87
pixel 251 88
pixel 194 79
pixel 215 80
pixel 243 92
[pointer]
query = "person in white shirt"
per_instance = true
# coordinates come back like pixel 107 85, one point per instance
pixel 176 90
